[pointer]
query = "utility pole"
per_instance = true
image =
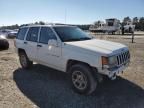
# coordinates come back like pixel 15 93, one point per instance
pixel 132 37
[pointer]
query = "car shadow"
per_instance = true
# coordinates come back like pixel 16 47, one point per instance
pixel 3 49
pixel 49 88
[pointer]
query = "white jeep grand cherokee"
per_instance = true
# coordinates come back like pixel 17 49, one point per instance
pixel 69 49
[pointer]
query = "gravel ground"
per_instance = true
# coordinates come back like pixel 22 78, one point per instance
pixel 47 88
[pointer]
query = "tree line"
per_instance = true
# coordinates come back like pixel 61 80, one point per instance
pixel 138 22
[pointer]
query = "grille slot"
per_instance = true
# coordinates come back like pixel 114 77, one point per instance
pixel 123 57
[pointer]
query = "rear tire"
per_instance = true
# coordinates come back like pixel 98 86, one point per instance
pixel 24 61
pixel 82 80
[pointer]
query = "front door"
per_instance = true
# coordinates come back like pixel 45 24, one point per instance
pixel 47 53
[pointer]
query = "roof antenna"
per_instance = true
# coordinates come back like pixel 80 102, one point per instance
pixel 65 16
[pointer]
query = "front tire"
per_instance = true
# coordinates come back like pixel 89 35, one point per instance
pixel 82 80
pixel 24 61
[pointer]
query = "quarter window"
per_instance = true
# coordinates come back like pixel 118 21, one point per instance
pixel 21 33
pixel 46 34
pixel 33 34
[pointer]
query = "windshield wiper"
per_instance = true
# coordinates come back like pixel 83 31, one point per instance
pixel 69 40
pixel 85 38
pixel 78 39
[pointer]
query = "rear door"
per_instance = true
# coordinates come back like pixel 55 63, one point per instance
pixel 47 54
pixel 20 37
pixel 31 42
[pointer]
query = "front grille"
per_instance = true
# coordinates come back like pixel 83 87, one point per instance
pixel 123 57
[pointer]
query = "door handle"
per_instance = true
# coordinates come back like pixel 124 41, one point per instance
pixel 39 45
pixel 25 43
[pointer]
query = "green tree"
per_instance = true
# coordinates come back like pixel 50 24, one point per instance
pixel 36 23
pixel 136 23
pixel 141 23
pixel 16 26
pixel 135 20
pixel 126 19
pixel 97 22
pixel 42 23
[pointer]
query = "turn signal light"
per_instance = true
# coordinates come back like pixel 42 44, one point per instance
pixel 104 60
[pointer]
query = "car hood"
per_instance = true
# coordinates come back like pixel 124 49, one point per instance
pixel 99 46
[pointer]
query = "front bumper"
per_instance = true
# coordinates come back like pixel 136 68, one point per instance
pixel 113 72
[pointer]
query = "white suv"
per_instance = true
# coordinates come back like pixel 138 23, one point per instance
pixel 69 49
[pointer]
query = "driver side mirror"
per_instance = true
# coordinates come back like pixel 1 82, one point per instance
pixel 53 42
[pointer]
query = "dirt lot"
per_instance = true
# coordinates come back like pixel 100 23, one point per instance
pixel 47 88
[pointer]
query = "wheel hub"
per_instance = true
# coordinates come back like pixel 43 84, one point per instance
pixel 79 80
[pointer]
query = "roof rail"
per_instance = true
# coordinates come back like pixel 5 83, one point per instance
pixel 52 24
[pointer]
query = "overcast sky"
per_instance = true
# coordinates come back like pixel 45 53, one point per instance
pixel 69 11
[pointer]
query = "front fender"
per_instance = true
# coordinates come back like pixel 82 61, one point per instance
pixel 92 60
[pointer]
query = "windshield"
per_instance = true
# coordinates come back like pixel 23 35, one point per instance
pixel 68 34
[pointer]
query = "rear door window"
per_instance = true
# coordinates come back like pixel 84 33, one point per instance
pixel 32 34
pixel 22 33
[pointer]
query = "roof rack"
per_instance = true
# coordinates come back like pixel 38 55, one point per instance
pixel 31 24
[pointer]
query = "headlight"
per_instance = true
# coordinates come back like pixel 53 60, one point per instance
pixel 109 61
pixel 113 61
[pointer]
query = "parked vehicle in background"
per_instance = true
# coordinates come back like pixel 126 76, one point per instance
pixel 111 26
pixel 5 31
pixel 128 28
pixel 12 34
pixel 69 49
pixel 9 33
pixel 97 27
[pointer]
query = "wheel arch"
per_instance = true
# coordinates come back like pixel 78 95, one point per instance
pixel 21 50
pixel 72 62
pixel 94 70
